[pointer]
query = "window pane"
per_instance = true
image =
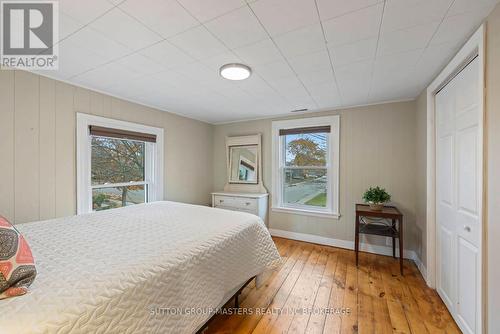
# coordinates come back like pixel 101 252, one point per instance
pixel 305 187
pixel 117 160
pixel 306 149
pixel 116 197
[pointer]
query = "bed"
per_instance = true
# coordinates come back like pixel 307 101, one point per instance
pixel 161 267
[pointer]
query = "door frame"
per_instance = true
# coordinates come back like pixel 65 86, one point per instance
pixel 475 45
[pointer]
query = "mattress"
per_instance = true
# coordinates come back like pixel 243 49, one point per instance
pixel 161 267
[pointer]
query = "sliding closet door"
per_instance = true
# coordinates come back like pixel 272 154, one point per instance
pixel 458 197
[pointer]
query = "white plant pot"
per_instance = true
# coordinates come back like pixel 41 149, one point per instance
pixel 376 206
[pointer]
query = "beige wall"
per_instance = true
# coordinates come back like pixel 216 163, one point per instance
pixel 493 167
pixel 37 146
pixel 377 148
pixel 421 177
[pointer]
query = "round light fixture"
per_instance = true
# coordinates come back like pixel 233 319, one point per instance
pixel 235 71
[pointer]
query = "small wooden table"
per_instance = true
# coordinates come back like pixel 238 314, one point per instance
pixel 395 230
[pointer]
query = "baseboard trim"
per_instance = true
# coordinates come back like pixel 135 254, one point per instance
pixel 421 268
pixel 316 239
pixel 369 248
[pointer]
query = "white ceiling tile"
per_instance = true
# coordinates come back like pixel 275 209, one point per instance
pixel 311 62
pixel 205 10
pixel 400 62
pixel 133 89
pixel 198 43
pixel 397 90
pixel 75 59
pixel 290 71
pixel 237 28
pixel 294 92
pixel 280 16
pixel 140 64
pixel 105 76
pixel 402 84
pixel 178 81
pixel 84 13
pixel 199 72
pixel 465 6
pixel 284 84
pixel 326 95
pixel 332 8
pixel 359 25
pixel 275 70
pixel 354 52
pixel 219 60
pixel 416 37
pixel 317 77
pixel 354 82
pixel 386 81
pixel 301 41
pixel 124 29
pixel 259 53
pixel 434 60
pixel 166 17
pixel 257 86
pixel 400 14
pixel 457 28
pixel 99 44
pixel 167 55
pixel 68 26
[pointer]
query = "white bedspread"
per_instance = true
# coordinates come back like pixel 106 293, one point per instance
pixel 135 269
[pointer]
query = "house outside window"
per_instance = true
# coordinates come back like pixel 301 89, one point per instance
pixel 119 163
pixel 306 166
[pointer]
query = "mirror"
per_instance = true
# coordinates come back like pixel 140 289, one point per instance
pixel 244 164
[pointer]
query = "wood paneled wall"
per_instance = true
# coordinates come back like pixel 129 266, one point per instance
pixel 38 143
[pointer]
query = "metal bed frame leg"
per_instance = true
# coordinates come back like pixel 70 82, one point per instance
pixel 236 305
pixel 236 301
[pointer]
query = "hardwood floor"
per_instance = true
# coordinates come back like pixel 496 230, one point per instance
pixel 373 298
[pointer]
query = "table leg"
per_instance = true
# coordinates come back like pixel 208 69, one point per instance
pixel 394 240
pixel 401 255
pixel 356 239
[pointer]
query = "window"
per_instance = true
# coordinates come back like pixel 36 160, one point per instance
pixel 306 165
pixel 119 163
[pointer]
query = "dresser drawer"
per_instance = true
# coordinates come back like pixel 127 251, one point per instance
pixel 242 203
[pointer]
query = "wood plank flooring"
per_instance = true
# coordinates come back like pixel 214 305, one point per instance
pixel 318 289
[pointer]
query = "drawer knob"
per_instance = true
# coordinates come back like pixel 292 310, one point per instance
pixel 467 228
pixel 247 203
pixel 222 201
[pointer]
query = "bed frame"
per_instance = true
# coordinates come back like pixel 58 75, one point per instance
pixel 236 305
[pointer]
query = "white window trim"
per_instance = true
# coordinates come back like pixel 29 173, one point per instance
pixel 332 210
pixel 154 172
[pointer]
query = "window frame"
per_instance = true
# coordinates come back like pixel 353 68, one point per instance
pixel 333 159
pixel 153 169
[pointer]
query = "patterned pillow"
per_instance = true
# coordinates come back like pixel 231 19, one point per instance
pixel 17 267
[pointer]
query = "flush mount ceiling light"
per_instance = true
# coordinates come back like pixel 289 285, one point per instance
pixel 235 71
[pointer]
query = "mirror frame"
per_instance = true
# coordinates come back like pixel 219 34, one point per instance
pixel 253 187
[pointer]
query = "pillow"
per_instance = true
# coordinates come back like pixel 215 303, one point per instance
pixel 17 267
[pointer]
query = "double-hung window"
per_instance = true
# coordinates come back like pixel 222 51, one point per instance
pixel 119 163
pixel 306 166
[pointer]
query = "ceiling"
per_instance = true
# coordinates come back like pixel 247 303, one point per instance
pixel 315 54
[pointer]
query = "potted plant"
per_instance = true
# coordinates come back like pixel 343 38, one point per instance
pixel 376 197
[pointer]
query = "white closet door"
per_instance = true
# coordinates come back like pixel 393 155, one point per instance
pixel 458 197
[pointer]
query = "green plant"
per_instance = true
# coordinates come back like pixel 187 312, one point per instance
pixel 376 195
pixel 98 200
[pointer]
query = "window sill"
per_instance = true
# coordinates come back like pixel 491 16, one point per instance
pixel 311 213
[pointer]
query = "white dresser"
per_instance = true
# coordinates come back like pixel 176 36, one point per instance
pixel 246 202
